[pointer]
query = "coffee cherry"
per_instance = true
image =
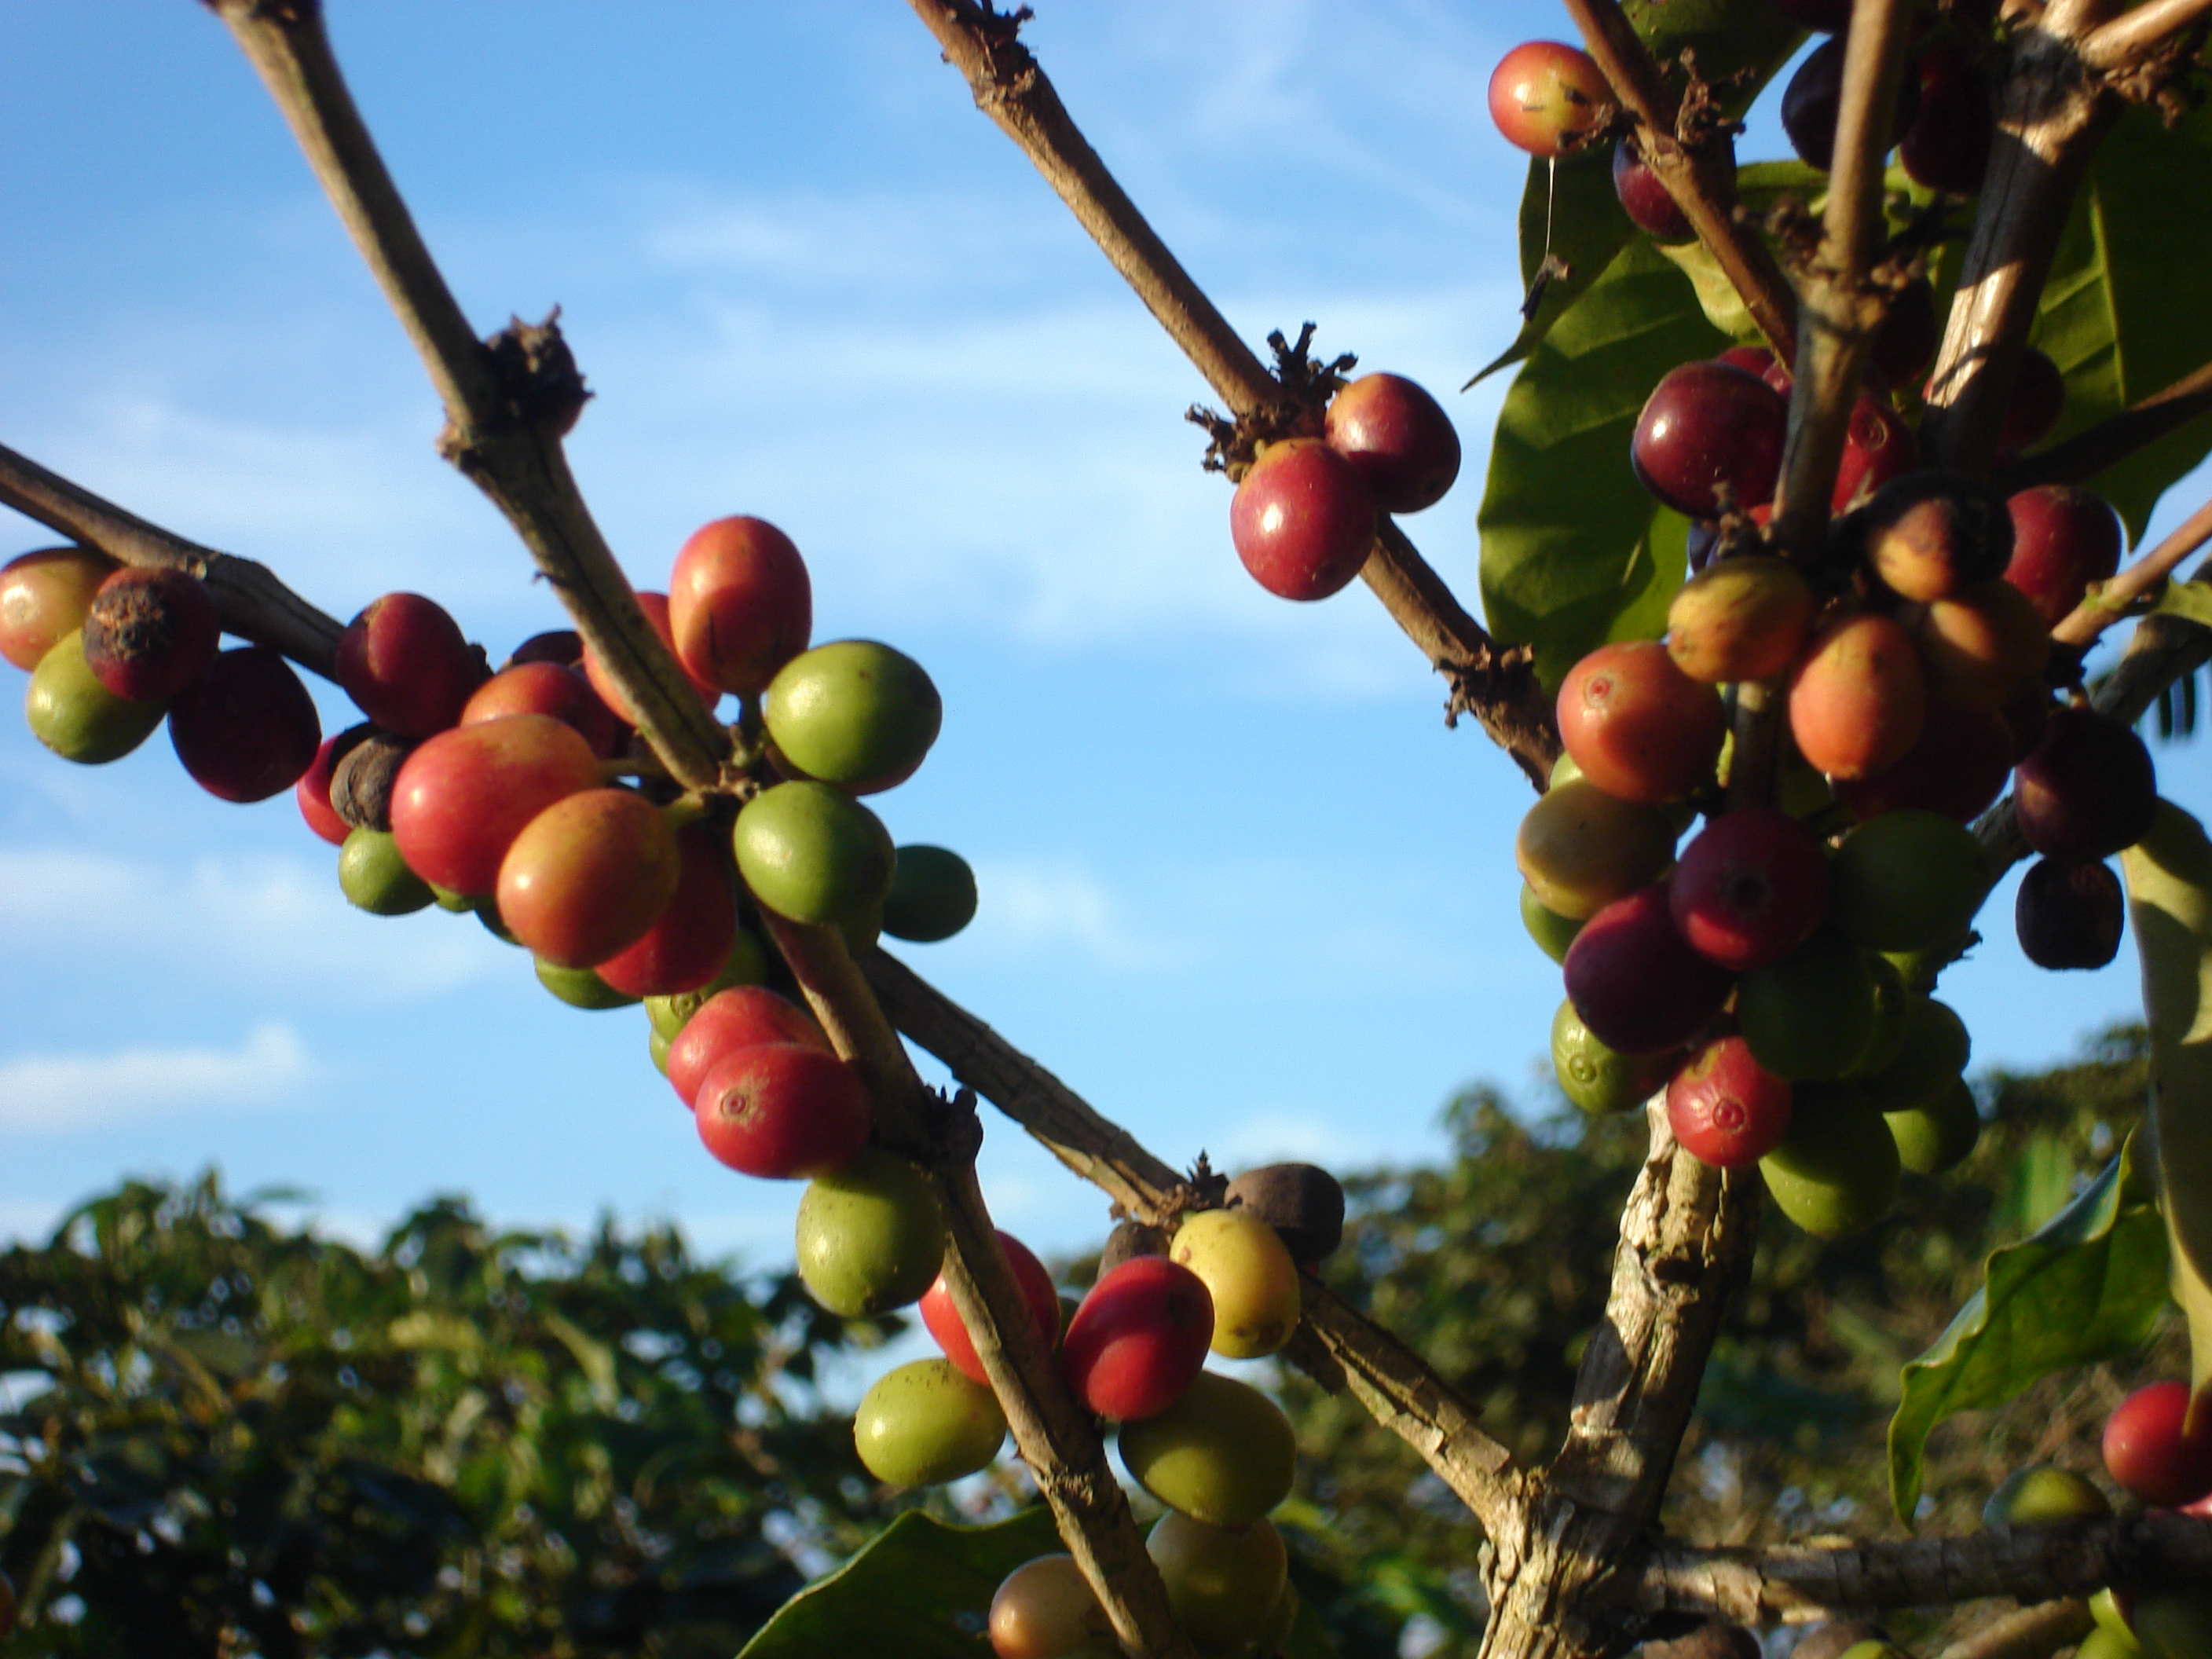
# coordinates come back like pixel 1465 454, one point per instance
pixel 2063 539
pixel 581 987
pixel 812 853
pixel 783 1111
pixel 1635 980
pixel 1750 888
pixel 870 1237
pixel 1858 698
pixel 548 687
pixel 1948 146
pixel 1710 437
pixel 1809 1016
pixel 2150 1450
pixel 1598 1079
pixel 149 632
pixel 1039 1298
pixel 1931 1058
pixel 2043 1495
pixel 1640 728
pixel 690 939
pixel 1580 848
pixel 1222 1582
pixel 932 895
pixel 246 728
pixel 1303 519
pixel 1248 1273
pixel 1907 880
pixel 365 779
pixel 853 713
pixel 1726 1109
pixel 730 1020
pixel 1553 932
pixel 1397 438
pixel 2069 915
pixel 1813 97
pixel 1544 96
pixel 1892 1011
pixel 1836 1171
pixel 1935 1138
pixel 2038 399
pixel 313 791
pixel 406 665
pixel 589 876
pixel 69 711
pixel 1742 618
pixel 654 606
pixel 923 1424
pixel 45 595
pixel 564 646
pixel 1302 1203
pixel 1126 1241
pixel 2088 791
pixel 375 878
pixel 1930 534
pixel 1957 766
pixel 1138 1339
pixel 1878 447
pixel 1982 644
pixel 463 795
pixel 1222 1453
pixel 1650 208
pixel 1045 1610
pixel 740 603
pixel 1906 338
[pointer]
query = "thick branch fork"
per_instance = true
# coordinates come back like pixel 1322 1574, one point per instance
pixel 1755 1586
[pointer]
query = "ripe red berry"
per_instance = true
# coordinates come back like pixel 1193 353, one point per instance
pixel 1750 888
pixel 740 603
pixel 1710 437
pixel 1645 200
pixel 1138 1339
pixel 404 663
pixel 1039 1296
pixel 1725 1108
pixel 2088 791
pixel 1544 95
pixel 2148 1453
pixel 149 632
pixel 1635 981
pixel 313 791
pixel 783 1111
pixel 742 1016
pixel 2064 539
pixel 1398 438
pixel 1640 727
pixel 246 728
pixel 2038 399
pixel 1303 519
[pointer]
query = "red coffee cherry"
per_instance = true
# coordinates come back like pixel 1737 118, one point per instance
pixel 1303 520
pixel 1726 1109
pixel 1750 888
pixel 2148 1451
pixel 1638 726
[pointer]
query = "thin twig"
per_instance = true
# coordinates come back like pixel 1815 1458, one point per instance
pixel 2031 1633
pixel 1010 87
pixel 506 403
pixel 253 604
pixel 1055 1438
pixel 2110 441
pixel 1394 1383
pixel 2112 600
pixel 1802 1581
pixel 1702 180
pixel 2141 32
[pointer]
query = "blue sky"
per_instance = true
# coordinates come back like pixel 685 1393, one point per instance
pixel 1241 887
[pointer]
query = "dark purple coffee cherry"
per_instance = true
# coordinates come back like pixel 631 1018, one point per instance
pixel 1948 146
pixel 1816 94
pixel 1710 438
pixel 1649 206
pixel 1905 343
pixel 2069 916
pixel 2089 790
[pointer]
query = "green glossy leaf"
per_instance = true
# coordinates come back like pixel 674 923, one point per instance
pixel 2084 1288
pixel 1587 228
pixel 1575 551
pixel 921 1589
pixel 2124 312
pixel 2191 601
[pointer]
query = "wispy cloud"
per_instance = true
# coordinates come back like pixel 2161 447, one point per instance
pixel 71 1094
pixel 1043 909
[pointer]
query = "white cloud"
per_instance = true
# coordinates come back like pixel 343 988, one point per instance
pixel 68 1094
pixel 263 920
pixel 1039 907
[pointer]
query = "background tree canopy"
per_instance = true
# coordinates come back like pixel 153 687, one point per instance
pixel 225 1436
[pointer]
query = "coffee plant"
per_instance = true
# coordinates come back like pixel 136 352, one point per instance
pixel 1804 509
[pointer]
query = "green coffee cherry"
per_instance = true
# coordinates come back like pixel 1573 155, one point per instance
pixel 375 878
pixel 924 1423
pixel 581 987
pixel 1808 1017
pixel 852 713
pixel 932 895
pixel 1553 932
pixel 813 854
pixel 1935 1138
pixel 1597 1079
pixel 870 1237
pixel 71 712
pixel 1836 1171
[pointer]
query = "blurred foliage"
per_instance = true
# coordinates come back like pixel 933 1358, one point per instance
pixel 1496 1267
pixel 221 1437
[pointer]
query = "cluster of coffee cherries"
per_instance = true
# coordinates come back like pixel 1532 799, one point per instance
pixel 2152 1456
pixel 1756 976
pixel 1216 1452
pixel 1305 514
pixel 113 650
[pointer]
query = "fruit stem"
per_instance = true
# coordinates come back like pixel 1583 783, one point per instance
pixel 2114 598
pixel 1702 180
pixel 508 401
pixel 253 604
